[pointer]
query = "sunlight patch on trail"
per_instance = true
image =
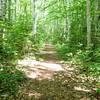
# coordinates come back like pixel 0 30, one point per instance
pixel 43 65
pixel 37 69
pixel 81 89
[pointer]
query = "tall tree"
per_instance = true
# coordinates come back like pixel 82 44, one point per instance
pixel 88 24
pixel 68 21
pixel 35 17
pixel 9 12
pixel 2 19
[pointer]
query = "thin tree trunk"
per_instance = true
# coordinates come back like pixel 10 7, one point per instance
pixel 88 24
pixel 15 2
pixel 35 18
pixel 68 20
pixel 2 19
pixel 18 7
pixel 9 12
pixel 96 15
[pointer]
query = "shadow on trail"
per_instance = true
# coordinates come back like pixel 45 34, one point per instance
pixel 60 88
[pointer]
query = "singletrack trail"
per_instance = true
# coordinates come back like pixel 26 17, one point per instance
pixel 44 69
pixel 68 81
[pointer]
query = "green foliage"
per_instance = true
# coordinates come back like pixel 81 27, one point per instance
pixel 90 69
pixel 22 24
pixel 57 21
pixel 64 52
pixel 88 60
pixel 41 35
pixel 96 55
pixel 16 38
pixel 83 55
pixel 10 80
pixel 98 90
pixel 67 50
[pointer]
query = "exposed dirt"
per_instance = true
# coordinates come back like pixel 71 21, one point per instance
pixel 54 79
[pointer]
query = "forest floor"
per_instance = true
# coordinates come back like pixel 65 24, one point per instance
pixel 50 78
pixel 53 79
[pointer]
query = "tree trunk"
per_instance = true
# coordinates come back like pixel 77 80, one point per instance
pixel 2 19
pixel 68 20
pixel 35 18
pixel 88 24
pixel 9 12
pixel 96 8
pixel 14 10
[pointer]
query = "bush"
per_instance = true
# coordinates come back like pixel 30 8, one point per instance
pixel 89 64
pixel 65 51
pixel 10 80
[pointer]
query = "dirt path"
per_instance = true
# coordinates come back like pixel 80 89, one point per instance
pixel 50 64
pixel 62 75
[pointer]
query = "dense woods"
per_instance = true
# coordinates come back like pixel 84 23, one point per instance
pixel 26 26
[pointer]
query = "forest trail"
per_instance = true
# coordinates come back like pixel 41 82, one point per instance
pixel 51 74
pixel 44 69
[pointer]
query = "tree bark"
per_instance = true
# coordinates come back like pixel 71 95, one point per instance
pixel 68 20
pixel 88 24
pixel 35 18
pixel 2 19
pixel 9 12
